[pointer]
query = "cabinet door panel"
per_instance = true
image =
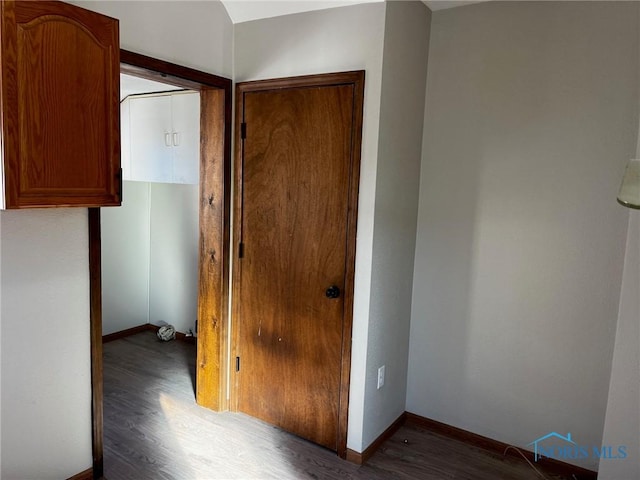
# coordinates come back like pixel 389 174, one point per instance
pixel 60 86
pixel 186 148
pixel 151 139
pixel 125 147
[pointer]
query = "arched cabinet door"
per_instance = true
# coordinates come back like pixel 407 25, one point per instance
pixel 60 106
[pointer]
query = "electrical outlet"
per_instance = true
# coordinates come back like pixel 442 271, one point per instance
pixel 380 377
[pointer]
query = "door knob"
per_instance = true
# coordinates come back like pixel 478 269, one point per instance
pixel 332 292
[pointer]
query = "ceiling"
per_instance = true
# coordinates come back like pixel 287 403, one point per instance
pixel 247 10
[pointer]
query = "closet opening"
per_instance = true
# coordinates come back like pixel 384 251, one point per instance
pixel 150 243
pixel 162 257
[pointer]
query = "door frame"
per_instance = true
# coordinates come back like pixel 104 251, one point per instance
pixel 214 216
pixel 355 78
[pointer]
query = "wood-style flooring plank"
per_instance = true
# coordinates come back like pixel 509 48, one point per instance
pixel 154 430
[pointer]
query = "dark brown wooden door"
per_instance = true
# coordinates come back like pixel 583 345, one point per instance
pixel 60 105
pixel 297 178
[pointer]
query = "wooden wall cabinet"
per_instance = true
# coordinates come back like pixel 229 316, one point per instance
pixel 161 138
pixel 59 93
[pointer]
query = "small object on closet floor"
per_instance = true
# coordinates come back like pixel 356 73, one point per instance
pixel 166 333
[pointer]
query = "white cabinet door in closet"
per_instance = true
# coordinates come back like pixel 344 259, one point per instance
pixel 151 139
pixel 125 139
pixel 185 108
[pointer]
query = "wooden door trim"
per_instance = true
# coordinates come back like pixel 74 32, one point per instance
pixel 95 328
pixel 355 78
pixel 214 217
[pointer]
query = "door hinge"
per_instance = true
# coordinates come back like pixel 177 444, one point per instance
pixel 237 364
pixel 243 130
pixel 241 250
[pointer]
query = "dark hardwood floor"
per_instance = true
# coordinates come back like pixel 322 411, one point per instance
pixel 154 430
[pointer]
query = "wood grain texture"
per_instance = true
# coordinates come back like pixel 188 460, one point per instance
pixel 95 328
pixel 142 66
pixel 549 464
pixel 214 252
pixel 295 184
pixel 60 105
pixel 297 201
pixel 357 80
pixel 154 430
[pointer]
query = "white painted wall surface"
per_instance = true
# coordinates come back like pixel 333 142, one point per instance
pixel 248 10
pixel 150 257
pixel 622 422
pixel 531 115
pixel 45 388
pixel 0 347
pixel 340 39
pixel 196 34
pixel 404 71
pixel 125 260
pixel 46 394
pixel 173 265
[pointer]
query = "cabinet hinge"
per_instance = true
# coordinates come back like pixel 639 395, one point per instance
pixel 237 364
pixel 243 130
pixel 241 250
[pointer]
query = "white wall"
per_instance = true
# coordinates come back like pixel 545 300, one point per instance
pixel 340 39
pixel 125 260
pixel 173 266
pixel 531 115
pixel 150 257
pixel 45 380
pixel 0 346
pixel 248 10
pixel 622 422
pixel 46 385
pixel 196 34
pixel 404 71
